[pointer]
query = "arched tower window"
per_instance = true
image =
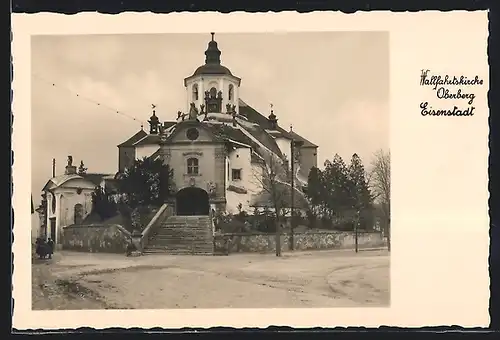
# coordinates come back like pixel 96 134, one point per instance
pixel 192 166
pixel 195 92
pixel 230 94
pixel 78 213
pixel 213 92
pixel 213 100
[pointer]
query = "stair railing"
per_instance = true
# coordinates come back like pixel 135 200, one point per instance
pixel 164 211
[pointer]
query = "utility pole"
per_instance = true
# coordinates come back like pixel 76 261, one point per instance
pixel 356 225
pixel 292 210
pixel 53 167
pixel 278 237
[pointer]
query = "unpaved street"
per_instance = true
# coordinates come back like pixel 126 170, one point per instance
pixel 302 279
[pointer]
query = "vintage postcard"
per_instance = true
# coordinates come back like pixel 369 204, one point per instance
pixel 202 170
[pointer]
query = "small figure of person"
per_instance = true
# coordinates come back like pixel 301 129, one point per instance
pixel 42 248
pixel 50 244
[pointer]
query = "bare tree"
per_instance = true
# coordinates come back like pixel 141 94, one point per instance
pixel 271 175
pixel 380 179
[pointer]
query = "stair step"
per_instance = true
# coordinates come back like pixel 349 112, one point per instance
pixel 179 250
pixel 177 253
pixel 179 247
pixel 184 225
pixel 185 229
pixel 207 233
pixel 182 235
pixel 183 239
pixel 186 235
pixel 183 220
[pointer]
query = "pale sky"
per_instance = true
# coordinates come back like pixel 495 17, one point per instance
pixel 332 86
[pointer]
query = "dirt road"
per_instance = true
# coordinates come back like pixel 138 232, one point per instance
pixel 306 279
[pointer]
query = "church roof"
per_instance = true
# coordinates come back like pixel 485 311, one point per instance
pixel 227 132
pixel 132 140
pixel 148 140
pixel 155 154
pixel 256 158
pixel 168 124
pixel 215 69
pixel 265 138
pixel 60 180
pixel 306 143
pixel 94 178
pixel 284 190
pixel 255 117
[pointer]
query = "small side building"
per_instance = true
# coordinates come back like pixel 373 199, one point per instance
pixel 69 199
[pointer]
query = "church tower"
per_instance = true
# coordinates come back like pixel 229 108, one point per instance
pixel 212 88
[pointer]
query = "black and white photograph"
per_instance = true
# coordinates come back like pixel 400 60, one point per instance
pixel 250 170
pixel 210 170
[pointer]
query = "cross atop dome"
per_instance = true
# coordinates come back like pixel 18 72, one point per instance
pixel 212 54
pixel 213 64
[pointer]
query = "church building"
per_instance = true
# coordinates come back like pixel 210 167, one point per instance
pixel 222 151
pixel 68 199
pixel 225 156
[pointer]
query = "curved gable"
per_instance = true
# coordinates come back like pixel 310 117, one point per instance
pixel 179 133
pixel 68 181
pixel 78 183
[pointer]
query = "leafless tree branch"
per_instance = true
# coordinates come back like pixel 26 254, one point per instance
pixel 380 181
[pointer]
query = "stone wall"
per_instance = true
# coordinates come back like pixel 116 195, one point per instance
pixel 96 238
pixel 265 243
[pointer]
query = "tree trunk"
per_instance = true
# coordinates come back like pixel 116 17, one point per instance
pixel 278 237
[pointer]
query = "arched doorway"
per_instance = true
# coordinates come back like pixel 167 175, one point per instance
pixel 192 201
pixel 78 213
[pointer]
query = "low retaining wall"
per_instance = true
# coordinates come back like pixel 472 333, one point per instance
pixel 265 243
pixel 96 238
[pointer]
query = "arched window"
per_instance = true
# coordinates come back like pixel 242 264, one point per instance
pixel 195 92
pixel 53 202
pixel 78 213
pixel 192 166
pixel 213 92
pixel 231 92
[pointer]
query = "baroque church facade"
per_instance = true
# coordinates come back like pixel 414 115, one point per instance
pixel 221 150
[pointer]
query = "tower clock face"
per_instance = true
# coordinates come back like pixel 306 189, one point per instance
pixel 192 134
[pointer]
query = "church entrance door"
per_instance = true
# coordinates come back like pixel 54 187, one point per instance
pixel 192 201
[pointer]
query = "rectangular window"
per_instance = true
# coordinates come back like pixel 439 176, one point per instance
pixel 192 166
pixel 236 174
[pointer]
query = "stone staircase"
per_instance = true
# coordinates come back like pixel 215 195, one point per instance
pixel 182 235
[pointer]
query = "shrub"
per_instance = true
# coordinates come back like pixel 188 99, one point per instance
pixel 103 203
